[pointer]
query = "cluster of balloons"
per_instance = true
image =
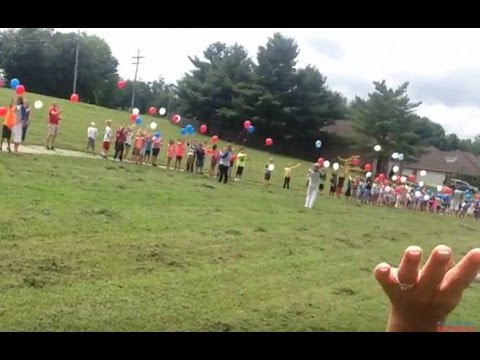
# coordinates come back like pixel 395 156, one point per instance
pixel 398 156
pixel 15 85
pixel 247 125
pixel 187 130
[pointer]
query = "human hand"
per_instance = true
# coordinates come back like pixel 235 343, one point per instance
pixel 421 299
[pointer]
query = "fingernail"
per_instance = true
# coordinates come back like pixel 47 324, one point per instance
pixel 444 250
pixel 384 267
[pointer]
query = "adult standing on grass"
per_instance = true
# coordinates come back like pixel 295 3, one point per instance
pixel 224 163
pixel 313 186
pixel 17 128
pixel 53 123
pixel 26 120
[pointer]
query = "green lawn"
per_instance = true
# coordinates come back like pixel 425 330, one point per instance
pixel 92 245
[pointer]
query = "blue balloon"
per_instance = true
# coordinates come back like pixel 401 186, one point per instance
pixel 250 129
pixel 138 120
pixel 14 83
pixel 183 131
pixel 190 130
pixel 156 134
pixel 188 127
pixel 318 144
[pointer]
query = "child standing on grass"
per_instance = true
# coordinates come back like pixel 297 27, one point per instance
pixel 333 184
pixel 268 172
pixel 180 150
pixel 7 126
pixel 137 148
pixel 214 160
pixel 92 132
pixel 287 174
pixel 107 138
pixel 200 158
pixel 157 143
pixel 241 162
pixel 224 164
pixel 313 186
pixel 147 146
pixel 190 163
pixel 120 138
pixel 170 153
pixel 128 142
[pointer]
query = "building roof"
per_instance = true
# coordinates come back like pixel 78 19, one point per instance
pixel 453 162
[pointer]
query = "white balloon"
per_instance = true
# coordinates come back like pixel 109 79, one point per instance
pixel 403 179
pixel 326 164
pixel 368 174
pixel 401 157
pixel 421 183
pixel 153 125
pixel 395 169
pixel 439 188
pixel 162 111
pixel 38 104
pixel 271 167
pixel 394 178
pixel 423 173
pixel 388 189
pixel 418 194
pixel 395 156
pixel 377 148
pixel 426 198
pixel 336 166
pixel 135 111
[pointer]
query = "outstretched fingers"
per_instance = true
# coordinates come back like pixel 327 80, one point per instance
pixel 461 275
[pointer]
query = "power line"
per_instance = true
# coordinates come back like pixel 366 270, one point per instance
pixel 136 63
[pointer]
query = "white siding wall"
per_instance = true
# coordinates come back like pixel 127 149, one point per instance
pixel 432 178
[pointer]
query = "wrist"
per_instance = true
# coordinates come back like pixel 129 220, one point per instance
pixel 399 323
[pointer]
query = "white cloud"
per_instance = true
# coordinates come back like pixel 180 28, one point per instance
pixel 350 58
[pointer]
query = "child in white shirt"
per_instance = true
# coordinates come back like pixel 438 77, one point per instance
pixel 91 137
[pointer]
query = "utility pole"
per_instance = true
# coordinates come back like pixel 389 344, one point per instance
pixel 75 73
pixel 136 63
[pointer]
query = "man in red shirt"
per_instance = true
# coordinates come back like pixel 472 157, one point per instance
pixel 53 121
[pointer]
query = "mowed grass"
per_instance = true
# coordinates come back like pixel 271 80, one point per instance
pixel 91 245
pixel 77 117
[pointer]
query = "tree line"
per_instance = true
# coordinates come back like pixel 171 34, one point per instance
pixel 226 86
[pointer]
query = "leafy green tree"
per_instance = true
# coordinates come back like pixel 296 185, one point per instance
pixel 387 118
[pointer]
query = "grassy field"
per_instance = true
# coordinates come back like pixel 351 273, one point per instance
pixel 92 245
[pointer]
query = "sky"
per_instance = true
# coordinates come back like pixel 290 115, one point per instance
pixel 441 65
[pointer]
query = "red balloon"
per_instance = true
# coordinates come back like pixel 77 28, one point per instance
pixel 3 111
pixel 268 141
pixel 20 89
pixel 382 176
pixel 246 124
pixel 152 111
pixel 320 160
pixel 367 167
pixel 214 139
pixel 74 98
pixel 355 162
pixel 121 84
pixel 203 129
pixel 411 178
pixel 176 119
pixel 133 118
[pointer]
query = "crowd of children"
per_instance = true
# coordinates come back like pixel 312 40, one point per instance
pixel 412 196
pixel 143 147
